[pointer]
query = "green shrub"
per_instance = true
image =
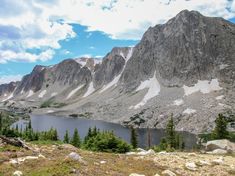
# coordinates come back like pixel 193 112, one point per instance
pixel 105 142
pixel 46 104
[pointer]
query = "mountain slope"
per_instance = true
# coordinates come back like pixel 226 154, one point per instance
pixel 185 67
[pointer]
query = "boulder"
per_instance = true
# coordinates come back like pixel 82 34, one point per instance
pixel 191 166
pixel 75 156
pixel 168 173
pixel 220 144
pixel 219 151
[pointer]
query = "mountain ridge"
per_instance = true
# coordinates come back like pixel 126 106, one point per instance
pixel 185 67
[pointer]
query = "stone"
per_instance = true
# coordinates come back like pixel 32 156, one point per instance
pixel 219 151
pixel 192 154
pixel 223 144
pixel 134 174
pixel 75 156
pixel 168 173
pixel 204 163
pixel 218 161
pixel 191 166
pixel 41 156
pixel 103 162
pixel 149 152
pixel 17 173
pixel 162 153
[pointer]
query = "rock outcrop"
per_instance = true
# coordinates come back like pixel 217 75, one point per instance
pixel 220 144
pixel 185 67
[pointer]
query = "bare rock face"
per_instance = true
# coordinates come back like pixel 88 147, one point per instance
pixel 7 88
pixel 185 67
pixel 112 65
pixel 220 144
pixel 33 81
pixel 68 72
pixel 189 47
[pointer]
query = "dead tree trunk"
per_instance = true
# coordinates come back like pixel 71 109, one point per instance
pixel 15 142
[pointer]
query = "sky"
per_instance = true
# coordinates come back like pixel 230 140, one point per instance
pixel 42 32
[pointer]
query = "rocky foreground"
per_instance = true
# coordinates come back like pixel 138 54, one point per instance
pixel 64 159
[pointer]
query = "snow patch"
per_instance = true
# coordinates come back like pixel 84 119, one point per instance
pixel 112 83
pixel 223 66
pixel 90 90
pixel 50 111
pixel 9 97
pixel 178 102
pixel 116 79
pixel 41 95
pixel 189 111
pixel 202 86
pixel 74 91
pixel 5 95
pixel 30 93
pixel 121 54
pixel 54 94
pixel 81 62
pixel 219 97
pixel 153 90
pixel 129 54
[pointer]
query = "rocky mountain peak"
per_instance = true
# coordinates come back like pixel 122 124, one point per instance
pixel 90 63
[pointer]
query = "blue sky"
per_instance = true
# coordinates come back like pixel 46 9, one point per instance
pixel 89 44
pixel 40 32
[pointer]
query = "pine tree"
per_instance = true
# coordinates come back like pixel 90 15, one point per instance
pixel 76 139
pixel 149 138
pixel 170 133
pixel 89 135
pixel 220 131
pixel 1 123
pixel 55 135
pixel 94 132
pixel 66 137
pixel 29 125
pixel 134 141
pixel 17 128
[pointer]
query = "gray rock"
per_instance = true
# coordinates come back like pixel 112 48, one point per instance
pixel 218 161
pixel 191 166
pixel 75 156
pixel 219 151
pixel 17 173
pixel 168 173
pixel 220 144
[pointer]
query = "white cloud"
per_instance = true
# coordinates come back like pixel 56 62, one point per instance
pixel 40 24
pixel 85 55
pixel 129 19
pixel 233 6
pixel 29 28
pixel 8 55
pixel 9 78
pixel 99 56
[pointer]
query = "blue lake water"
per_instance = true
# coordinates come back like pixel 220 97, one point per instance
pixel 45 122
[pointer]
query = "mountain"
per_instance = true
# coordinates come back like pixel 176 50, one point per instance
pixel 185 67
